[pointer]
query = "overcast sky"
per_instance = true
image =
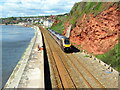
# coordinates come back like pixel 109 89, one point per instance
pixel 16 8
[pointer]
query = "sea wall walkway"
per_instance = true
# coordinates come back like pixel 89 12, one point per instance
pixel 29 72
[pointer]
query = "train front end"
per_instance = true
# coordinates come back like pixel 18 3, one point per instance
pixel 66 45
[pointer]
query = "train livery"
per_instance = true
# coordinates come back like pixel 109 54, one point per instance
pixel 63 41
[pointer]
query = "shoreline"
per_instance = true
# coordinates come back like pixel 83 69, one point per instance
pixel 10 24
pixel 18 25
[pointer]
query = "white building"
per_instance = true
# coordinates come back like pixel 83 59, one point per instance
pixel 47 23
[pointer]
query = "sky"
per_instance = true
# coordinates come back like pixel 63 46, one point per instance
pixel 21 8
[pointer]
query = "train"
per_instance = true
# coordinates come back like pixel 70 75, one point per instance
pixel 63 41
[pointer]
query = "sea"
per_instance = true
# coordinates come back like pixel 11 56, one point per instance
pixel 14 40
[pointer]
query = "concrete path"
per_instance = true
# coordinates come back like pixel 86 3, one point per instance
pixel 33 76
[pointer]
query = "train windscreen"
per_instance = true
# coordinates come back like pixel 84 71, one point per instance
pixel 66 41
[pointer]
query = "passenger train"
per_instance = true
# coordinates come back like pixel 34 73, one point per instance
pixel 63 41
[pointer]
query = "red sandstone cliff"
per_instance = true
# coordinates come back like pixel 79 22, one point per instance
pixel 96 34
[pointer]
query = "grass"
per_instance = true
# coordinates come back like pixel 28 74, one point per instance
pixel 59 27
pixel 112 57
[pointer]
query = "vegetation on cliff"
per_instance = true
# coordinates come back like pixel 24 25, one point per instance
pixel 78 10
pixel 58 25
pixel 81 8
pixel 112 57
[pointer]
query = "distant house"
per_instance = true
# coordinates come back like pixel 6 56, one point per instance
pixel 47 23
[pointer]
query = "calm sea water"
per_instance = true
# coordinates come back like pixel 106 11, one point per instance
pixel 15 40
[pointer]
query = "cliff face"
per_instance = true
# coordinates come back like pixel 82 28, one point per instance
pixel 96 33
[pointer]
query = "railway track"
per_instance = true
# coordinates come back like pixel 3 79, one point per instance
pixel 62 76
pixel 68 71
